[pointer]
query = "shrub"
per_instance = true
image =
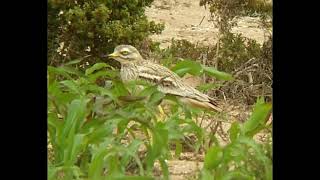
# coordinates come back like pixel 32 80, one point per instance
pixel 92 28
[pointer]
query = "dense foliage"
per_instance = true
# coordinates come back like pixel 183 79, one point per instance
pixel 92 28
pixel 92 135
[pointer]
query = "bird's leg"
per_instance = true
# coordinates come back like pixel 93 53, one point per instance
pixel 162 114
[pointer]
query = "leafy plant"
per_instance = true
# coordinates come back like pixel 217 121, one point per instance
pixel 92 28
pixel 243 158
pixel 88 123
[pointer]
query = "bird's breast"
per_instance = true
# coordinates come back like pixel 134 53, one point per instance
pixel 128 72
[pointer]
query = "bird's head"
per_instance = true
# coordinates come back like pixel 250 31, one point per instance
pixel 125 54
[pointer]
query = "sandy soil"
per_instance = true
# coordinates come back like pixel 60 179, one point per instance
pixel 185 19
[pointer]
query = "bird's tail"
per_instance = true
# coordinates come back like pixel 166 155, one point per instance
pixel 212 105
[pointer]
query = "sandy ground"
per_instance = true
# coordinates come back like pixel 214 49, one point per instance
pixel 185 19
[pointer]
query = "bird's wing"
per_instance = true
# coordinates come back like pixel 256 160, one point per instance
pixel 169 83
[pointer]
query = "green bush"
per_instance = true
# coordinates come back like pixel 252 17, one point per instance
pixel 81 28
pixel 88 123
pixel 243 158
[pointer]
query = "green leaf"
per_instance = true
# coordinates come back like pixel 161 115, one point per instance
pixel 208 86
pixel 236 175
pixel 159 145
pixel 72 86
pixel 206 175
pixel 178 148
pixel 72 149
pixel 259 155
pixel 156 98
pixel 113 164
pixel 95 67
pixel 131 152
pixel 258 117
pixel 234 131
pixel 76 61
pixel 119 89
pixel 97 162
pixel 75 116
pixel 213 157
pixel 99 134
pixel 71 70
pixel 217 74
pixel 94 76
pixel 148 91
pixel 52 171
pixel 59 71
pixel 164 168
pixel 187 66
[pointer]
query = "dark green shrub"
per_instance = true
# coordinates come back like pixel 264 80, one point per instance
pixel 81 28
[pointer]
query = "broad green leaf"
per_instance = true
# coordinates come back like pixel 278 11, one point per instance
pixel 213 157
pixel 119 89
pixel 172 124
pixel 234 131
pixel 52 171
pixel 131 149
pixel 77 172
pixel 187 66
pixel 206 87
pixel 72 148
pixel 178 148
pixel 156 98
pixel 192 127
pixel 258 117
pixel 99 134
pixel 234 152
pixel 181 72
pixel 260 155
pixel 217 74
pixel 236 175
pixel 159 145
pixel 54 122
pixel 75 116
pixel 95 67
pixel 164 168
pixel 72 86
pixel 59 71
pixel 94 76
pixel 97 162
pixel 206 175
pixel 76 61
pixel 148 91
pixel 114 164
pixel 71 70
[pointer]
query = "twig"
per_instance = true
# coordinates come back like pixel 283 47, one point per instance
pixel 214 130
pixel 202 119
pixel 201 20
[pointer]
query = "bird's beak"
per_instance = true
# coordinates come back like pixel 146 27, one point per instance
pixel 112 55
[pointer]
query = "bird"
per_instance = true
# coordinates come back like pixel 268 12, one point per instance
pixel 135 67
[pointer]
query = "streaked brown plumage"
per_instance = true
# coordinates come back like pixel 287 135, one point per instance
pixel 133 67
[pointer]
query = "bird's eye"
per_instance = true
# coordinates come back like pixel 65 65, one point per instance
pixel 124 53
